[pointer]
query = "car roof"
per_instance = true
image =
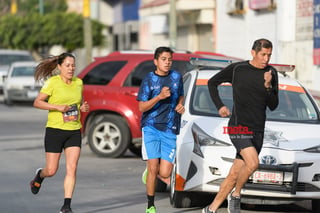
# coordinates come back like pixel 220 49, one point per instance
pixel 143 54
pixel 207 73
pixel 210 67
pixel 14 52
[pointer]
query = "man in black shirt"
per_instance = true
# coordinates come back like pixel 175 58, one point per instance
pixel 255 87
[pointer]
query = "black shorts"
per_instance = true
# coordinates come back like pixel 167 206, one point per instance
pixel 243 141
pixel 56 140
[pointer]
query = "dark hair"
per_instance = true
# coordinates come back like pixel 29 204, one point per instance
pixel 160 50
pixel 47 66
pixel 261 43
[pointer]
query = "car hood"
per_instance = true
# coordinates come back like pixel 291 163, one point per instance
pixel 291 136
pixel 27 80
pixel 279 135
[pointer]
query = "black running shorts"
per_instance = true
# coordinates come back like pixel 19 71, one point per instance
pixel 57 139
pixel 243 141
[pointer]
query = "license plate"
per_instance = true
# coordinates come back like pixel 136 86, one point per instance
pixel 32 94
pixel 272 177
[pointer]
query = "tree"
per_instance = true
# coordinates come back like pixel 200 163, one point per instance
pixel 32 6
pixel 36 32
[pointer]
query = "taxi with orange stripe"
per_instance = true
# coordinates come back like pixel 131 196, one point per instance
pixel 289 168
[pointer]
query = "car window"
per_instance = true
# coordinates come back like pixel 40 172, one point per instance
pixel 9 59
pixel 22 71
pixel 103 73
pixel 140 71
pixel 182 66
pixel 202 104
pixel 186 83
pixel 293 106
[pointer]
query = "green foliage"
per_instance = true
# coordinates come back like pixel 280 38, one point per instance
pixel 32 6
pixel 37 31
pixel 26 7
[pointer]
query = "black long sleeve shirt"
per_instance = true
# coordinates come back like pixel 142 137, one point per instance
pixel 250 97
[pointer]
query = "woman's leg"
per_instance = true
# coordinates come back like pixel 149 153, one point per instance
pixel 52 165
pixel 72 157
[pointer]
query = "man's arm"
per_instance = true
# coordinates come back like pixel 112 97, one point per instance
pixel 147 105
pixel 272 91
pixel 224 75
pixel 180 108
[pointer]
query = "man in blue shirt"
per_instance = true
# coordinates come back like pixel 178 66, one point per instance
pixel 160 99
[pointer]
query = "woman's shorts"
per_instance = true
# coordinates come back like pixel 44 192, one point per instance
pixel 57 139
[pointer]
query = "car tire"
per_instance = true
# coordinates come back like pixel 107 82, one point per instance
pixel 178 199
pixel 315 206
pixel 161 186
pixel 7 101
pixel 135 150
pixel 109 136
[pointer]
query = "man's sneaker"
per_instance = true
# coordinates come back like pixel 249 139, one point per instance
pixel 152 209
pixel 144 176
pixel 233 204
pixel 207 210
pixel 65 209
pixel 35 185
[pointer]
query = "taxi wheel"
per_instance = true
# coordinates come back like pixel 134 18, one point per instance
pixel 315 206
pixel 178 199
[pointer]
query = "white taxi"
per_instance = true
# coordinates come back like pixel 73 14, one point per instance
pixel 289 168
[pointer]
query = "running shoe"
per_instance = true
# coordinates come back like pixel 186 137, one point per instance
pixel 207 210
pixel 233 204
pixel 144 176
pixel 152 209
pixel 34 184
pixel 66 209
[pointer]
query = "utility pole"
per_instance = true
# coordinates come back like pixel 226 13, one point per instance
pixel 87 31
pixel 173 24
pixel 13 7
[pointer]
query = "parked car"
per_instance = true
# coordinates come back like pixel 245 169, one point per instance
pixel 7 57
pixel 19 84
pixel 111 85
pixel 290 157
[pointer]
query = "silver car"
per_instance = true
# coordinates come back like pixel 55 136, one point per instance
pixel 7 57
pixel 19 84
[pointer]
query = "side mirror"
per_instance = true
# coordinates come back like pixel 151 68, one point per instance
pixel 4 78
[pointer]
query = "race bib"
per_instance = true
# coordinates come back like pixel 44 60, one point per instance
pixel 72 114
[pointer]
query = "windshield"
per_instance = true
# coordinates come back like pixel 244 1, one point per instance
pixel 23 71
pixel 294 104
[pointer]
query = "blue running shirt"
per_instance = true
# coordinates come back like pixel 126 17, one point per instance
pixel 163 115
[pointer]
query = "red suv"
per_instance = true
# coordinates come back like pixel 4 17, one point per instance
pixel 111 85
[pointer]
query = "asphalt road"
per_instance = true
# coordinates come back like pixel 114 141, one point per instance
pixel 103 185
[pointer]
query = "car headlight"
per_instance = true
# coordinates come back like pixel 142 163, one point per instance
pixel 315 149
pixel 203 139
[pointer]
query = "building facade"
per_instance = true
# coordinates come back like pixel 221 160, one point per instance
pixel 223 26
pixel 290 24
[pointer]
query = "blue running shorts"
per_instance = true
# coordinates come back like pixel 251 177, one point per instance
pixel 158 144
